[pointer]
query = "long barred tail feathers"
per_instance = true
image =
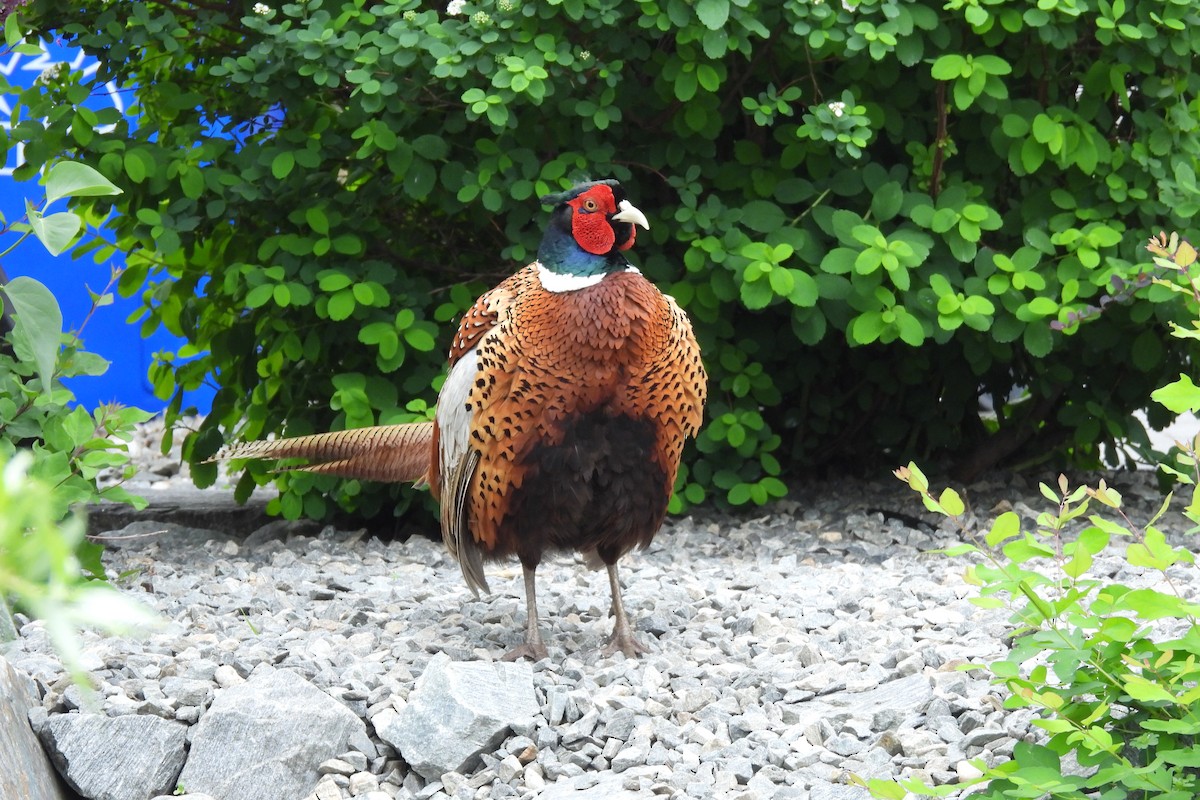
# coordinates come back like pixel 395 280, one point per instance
pixel 387 453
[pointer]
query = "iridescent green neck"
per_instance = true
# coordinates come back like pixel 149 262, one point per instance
pixel 561 254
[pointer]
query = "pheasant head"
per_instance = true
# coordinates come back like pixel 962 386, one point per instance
pixel 591 225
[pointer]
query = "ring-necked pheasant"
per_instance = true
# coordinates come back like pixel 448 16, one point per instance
pixel 572 387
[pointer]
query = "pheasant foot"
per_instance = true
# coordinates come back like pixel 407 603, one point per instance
pixel 622 638
pixel 534 651
pixel 534 648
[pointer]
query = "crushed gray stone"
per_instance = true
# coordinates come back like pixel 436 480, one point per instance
pixel 792 649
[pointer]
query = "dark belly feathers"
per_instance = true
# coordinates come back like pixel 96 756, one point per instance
pixel 598 489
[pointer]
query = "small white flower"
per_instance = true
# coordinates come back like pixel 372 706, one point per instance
pixel 52 73
pixel 838 108
pixel 262 9
pixel 846 4
pixel 456 7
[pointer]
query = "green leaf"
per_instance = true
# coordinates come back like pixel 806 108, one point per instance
pixel 192 183
pixel 782 282
pixel 762 216
pixel 317 220
pixel 1042 306
pixel 805 291
pixel 38 323
pixel 886 789
pixel 952 502
pixel 948 67
pixel 756 295
pixel 332 281
pixel 708 77
pixel 993 65
pixel 739 495
pixel 419 180
pixel 866 328
pixel 1151 605
pixel 1080 562
pixel 420 339
pixel 1014 126
pixel 347 244
pixel 57 231
pixel 911 331
pixel 13 35
pixel 1006 526
pixel 839 261
pixel 1146 691
pixel 1037 339
pixel 1189 757
pixel 1033 155
pixel 138 165
pixel 1093 539
pixel 79 427
pixel 1045 130
pixel 282 164
pixel 713 14
pixel 1181 396
pixel 259 295
pixel 685 86
pixel 341 305
pixel 887 200
pixel 431 147
pixel 72 179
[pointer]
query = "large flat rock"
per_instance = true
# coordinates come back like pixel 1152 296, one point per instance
pixel 459 709
pixel 36 779
pixel 133 757
pixel 183 504
pixel 265 739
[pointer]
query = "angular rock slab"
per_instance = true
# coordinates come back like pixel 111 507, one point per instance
pixel 884 706
pixel 609 786
pixel 822 790
pixel 265 738
pixel 906 695
pixel 36 779
pixel 131 757
pixel 457 710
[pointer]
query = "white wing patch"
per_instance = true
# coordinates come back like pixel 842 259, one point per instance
pixel 453 413
pixel 457 462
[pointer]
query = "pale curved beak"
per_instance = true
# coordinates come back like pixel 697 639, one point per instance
pixel 629 213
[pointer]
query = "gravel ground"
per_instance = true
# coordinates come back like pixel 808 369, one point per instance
pixel 791 649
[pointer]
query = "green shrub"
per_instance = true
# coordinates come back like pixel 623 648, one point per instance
pixel 51 451
pixel 875 212
pixel 41 567
pixel 1113 669
pixel 70 445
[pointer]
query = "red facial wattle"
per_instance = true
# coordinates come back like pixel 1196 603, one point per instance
pixel 589 221
pixel 628 243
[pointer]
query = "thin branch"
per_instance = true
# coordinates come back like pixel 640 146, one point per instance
pixel 939 144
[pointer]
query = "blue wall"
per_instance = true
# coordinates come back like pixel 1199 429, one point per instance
pixel 107 332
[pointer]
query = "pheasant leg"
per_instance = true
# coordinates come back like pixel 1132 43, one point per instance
pixel 533 648
pixel 622 636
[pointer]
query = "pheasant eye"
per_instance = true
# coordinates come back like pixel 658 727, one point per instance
pixel 590 205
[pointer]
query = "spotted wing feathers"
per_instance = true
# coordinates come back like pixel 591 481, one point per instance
pixel 535 363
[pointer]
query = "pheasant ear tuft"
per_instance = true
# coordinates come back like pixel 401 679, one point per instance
pixel 578 189
pixel 555 199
